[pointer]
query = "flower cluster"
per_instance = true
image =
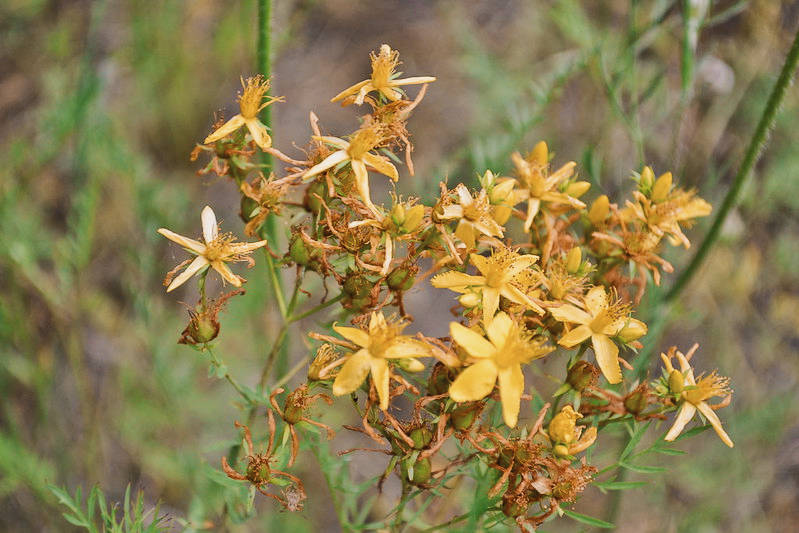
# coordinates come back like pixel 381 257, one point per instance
pixel 567 289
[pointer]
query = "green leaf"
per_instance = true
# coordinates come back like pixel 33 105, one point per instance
pixel 693 432
pixel 641 469
pixel 634 440
pixel 619 485
pixel 588 520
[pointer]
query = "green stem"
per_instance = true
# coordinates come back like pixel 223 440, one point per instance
pixel 316 309
pixel 753 153
pixel 274 279
pixel 230 379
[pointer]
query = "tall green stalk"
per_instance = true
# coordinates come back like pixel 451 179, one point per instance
pixel 753 153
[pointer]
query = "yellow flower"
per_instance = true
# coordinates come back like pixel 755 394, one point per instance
pixel 215 250
pixel 693 393
pixel 474 216
pixel 496 279
pixel 383 78
pixel 382 341
pixel 501 195
pixel 566 438
pixel 358 152
pixel 666 208
pixel 601 319
pixel 498 358
pixel 539 186
pixel 250 104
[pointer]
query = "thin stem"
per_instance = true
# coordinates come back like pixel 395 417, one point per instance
pixel 217 363
pixel 316 309
pixel 753 153
pixel 274 279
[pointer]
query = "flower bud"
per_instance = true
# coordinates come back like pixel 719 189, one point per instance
pixel 562 427
pixel 410 364
pixel 540 154
pixel 574 259
pixel 676 382
pixel 647 180
pixel 660 191
pixel 599 210
pixel 560 450
pixel 469 300
pixel 632 330
pixel 582 375
pixel 578 188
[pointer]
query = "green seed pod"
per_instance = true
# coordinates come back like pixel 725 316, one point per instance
pixel 422 471
pixel 298 251
pixel 311 201
pixel 247 207
pixel 401 278
pixel 636 401
pixel 439 380
pixel 581 375
pixel 202 328
pixel 512 509
pixel 357 286
pixel 292 414
pixel 463 417
pixel 421 437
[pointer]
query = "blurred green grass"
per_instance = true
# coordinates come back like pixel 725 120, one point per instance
pixel 101 103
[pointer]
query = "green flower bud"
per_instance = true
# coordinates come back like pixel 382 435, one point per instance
pixel 421 437
pixel 401 278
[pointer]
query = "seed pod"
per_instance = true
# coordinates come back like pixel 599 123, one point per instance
pixel 298 251
pixel 511 508
pixel 439 380
pixel 582 375
pixel 247 207
pixel 311 201
pixel 357 285
pixel 402 278
pixel 421 437
pixel 418 472
pixel 464 416
pixel 292 414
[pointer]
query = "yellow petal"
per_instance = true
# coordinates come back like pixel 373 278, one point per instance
pixel 190 244
pixel 499 328
pixel 540 154
pixel 336 142
pixel 515 295
pixel 380 377
pixel 381 165
pixel 362 181
pixel 349 91
pixel 474 383
pixel 511 387
pixel 519 264
pixel 402 347
pixel 210 228
pixel 607 356
pixel 490 304
pixel 358 336
pixel 413 80
pixel 714 420
pixel 684 416
pixel 329 162
pixel 475 344
pixel 259 134
pixel 482 263
pixel 226 129
pixel 570 313
pixel 352 373
pixel 465 232
pixel 452 279
pixel 575 336
pixel 596 300
pixel 226 273
pixel 195 266
pixel 533 205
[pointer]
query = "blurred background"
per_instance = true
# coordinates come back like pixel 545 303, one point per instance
pixel 101 103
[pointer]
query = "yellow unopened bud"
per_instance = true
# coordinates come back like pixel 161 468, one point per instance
pixel 578 188
pixel 660 191
pixel 410 364
pixel 560 450
pixel 633 329
pixel 574 259
pixel 676 382
pixel 540 154
pixel 647 179
pixel 469 300
pixel 398 214
pixel 600 210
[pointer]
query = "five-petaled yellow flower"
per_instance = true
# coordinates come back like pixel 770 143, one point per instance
pixel 666 208
pixel 383 78
pixel 602 318
pixel 474 216
pixel 693 394
pixel 251 102
pixel 381 342
pixel 496 279
pixel 498 358
pixel 538 186
pixel 358 152
pixel 215 250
